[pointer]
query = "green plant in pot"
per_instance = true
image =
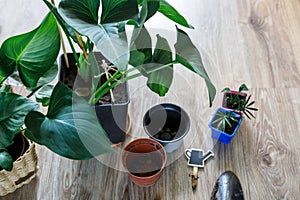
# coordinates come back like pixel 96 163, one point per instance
pixel 238 101
pixel 70 127
pixel 224 125
pixel 131 58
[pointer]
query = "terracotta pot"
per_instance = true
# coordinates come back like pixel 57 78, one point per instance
pixel 144 159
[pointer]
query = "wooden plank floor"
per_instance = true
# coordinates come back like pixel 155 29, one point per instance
pixel 256 42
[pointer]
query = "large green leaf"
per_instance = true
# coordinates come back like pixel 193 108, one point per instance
pixel 108 38
pixel 13 110
pixel 86 11
pixel 49 75
pixel 161 80
pixel 153 6
pixel 188 55
pixel 43 94
pixel 70 128
pixel 143 43
pixel 66 27
pixel 6 161
pixel 169 11
pixel 118 10
pixel 138 23
pixel 32 53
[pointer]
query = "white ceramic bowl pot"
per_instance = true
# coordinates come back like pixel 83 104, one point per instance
pixel 168 124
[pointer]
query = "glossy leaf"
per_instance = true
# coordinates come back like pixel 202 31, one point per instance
pixel 152 8
pixel 161 80
pixel 108 38
pixel 118 10
pixel 143 43
pixel 139 23
pixel 70 128
pixel 13 110
pixel 5 88
pixel 6 161
pixel 86 11
pixel 243 87
pixel 136 58
pixel 43 95
pixel 169 11
pixel 188 55
pixel 49 75
pixel 66 27
pixel 32 53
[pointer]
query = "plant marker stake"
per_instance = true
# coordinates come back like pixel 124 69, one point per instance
pixel 196 159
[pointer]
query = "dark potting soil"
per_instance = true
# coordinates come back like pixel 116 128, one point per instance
pixel 169 129
pixel 18 148
pixel 144 164
pixel 166 134
pixel 234 104
pixel 71 78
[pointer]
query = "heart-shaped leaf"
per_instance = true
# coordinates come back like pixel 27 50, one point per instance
pixel 49 75
pixel 161 80
pixel 118 10
pixel 32 53
pixel 143 44
pixel 110 39
pixel 13 110
pixel 43 94
pixel 188 55
pixel 69 31
pixel 70 128
pixel 6 161
pixel 169 11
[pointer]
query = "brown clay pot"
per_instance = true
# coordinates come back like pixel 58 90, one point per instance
pixel 144 159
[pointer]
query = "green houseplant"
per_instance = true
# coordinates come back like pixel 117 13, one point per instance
pixel 61 129
pixel 107 32
pixel 70 127
pixel 224 125
pixel 238 101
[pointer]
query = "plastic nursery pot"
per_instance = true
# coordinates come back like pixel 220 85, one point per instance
pixel 219 134
pixel 144 160
pixel 113 117
pixel 236 95
pixel 168 124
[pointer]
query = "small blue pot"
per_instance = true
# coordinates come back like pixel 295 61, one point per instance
pixel 220 135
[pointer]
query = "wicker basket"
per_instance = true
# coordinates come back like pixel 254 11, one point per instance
pixel 24 170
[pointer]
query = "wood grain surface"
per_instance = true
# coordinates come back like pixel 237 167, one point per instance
pixel 256 42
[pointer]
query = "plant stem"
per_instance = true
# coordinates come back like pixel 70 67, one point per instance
pixel 73 51
pixel 106 68
pixel 34 91
pixel 81 45
pixel 103 89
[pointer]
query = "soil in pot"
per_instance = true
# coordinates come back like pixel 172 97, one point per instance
pixel 18 148
pixel 144 164
pixel 170 127
pixel 113 117
pixel 71 78
pixel 228 129
pixel 233 100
